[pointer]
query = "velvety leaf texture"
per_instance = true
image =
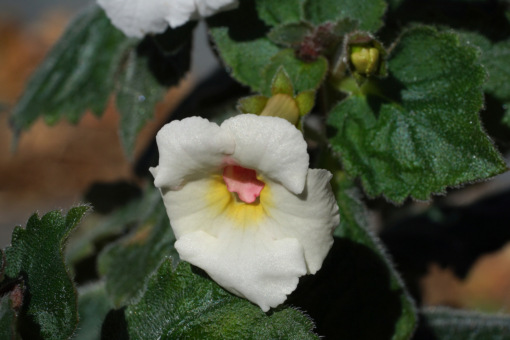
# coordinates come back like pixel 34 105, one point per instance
pixel 138 94
pixel 451 324
pixel 354 226
pixel 304 76
pixel 7 318
pixel 280 12
pixel 35 257
pixel 127 264
pixel 93 305
pixel 116 224
pixel 182 304
pixel 494 58
pixel 367 12
pixel 78 73
pixel 240 37
pixel 423 134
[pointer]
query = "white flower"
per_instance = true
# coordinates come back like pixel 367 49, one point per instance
pixel 243 204
pixel 137 18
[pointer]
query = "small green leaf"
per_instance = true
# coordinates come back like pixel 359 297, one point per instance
pixel 78 74
pixel 83 243
pixel 494 58
pixel 429 136
pixel 36 258
pixel 281 83
pixel 452 324
pixel 290 35
pixel 280 12
pixel 367 12
pixel 305 101
pixel 252 104
pixel 240 38
pixel 181 304
pixel 127 264
pixel 93 305
pixel 138 95
pixel 8 316
pixel 304 76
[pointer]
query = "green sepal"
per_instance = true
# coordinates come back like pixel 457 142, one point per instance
pixel 305 101
pixel 253 104
pixel 304 76
pixel 281 83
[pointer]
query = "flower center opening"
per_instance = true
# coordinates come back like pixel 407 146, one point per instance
pixel 243 181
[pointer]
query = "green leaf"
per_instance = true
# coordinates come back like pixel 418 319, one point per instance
pixel 429 136
pixel 451 324
pixel 290 34
pixel 78 74
pixel 240 38
pixel 93 305
pixel 90 236
pixel 138 95
pixel 9 316
pixel 36 258
pixel 127 264
pixel 280 12
pixel 181 304
pixel 355 227
pixel 494 58
pixel 367 12
pixel 303 75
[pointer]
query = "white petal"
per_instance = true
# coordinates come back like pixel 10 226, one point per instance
pixel 272 146
pixel 247 263
pixel 310 217
pixel 209 7
pixel 189 148
pixel 137 18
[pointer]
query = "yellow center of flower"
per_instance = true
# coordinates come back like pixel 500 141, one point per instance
pixel 243 215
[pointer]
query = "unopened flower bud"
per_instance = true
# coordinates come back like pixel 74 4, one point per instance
pixel 365 59
pixel 283 106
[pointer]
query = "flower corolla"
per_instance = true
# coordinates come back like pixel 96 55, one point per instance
pixel 243 204
pixel 137 18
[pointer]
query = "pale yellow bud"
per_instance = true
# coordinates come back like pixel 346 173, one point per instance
pixel 283 106
pixel 365 59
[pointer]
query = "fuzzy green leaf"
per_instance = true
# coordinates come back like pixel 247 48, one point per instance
pixel 429 136
pixel 36 258
pixel 93 305
pixel 451 324
pixel 367 12
pixel 83 243
pixel 127 264
pixel 8 318
pixel 355 227
pixel 303 75
pixel 280 12
pixel 240 38
pixel 138 95
pixel 290 34
pixel 495 58
pixel 78 73
pixel 182 304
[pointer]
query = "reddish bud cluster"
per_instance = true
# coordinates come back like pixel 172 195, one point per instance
pixel 312 46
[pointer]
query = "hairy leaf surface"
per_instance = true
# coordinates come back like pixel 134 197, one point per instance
pixel 418 132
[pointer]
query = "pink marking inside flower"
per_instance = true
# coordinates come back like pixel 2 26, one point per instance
pixel 243 181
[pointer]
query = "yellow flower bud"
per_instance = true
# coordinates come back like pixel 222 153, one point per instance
pixel 365 59
pixel 283 106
